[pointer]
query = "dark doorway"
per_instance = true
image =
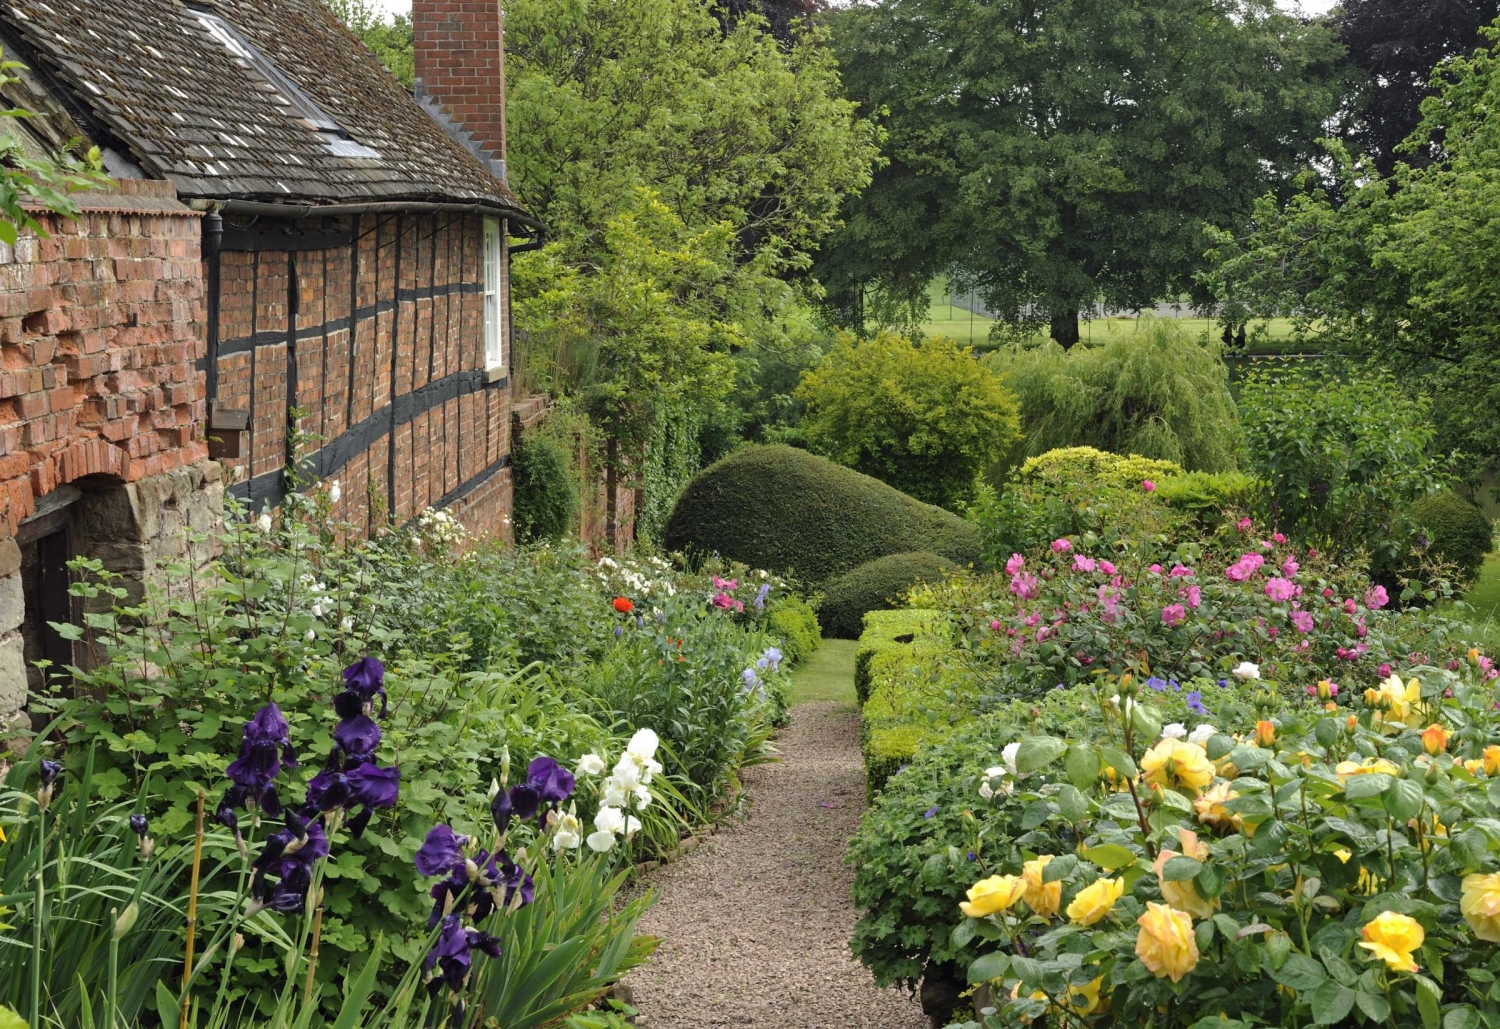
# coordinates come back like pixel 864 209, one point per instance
pixel 46 542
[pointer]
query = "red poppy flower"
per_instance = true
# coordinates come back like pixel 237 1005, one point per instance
pixel 623 605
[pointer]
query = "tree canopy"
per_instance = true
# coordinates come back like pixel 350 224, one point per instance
pixel 1055 152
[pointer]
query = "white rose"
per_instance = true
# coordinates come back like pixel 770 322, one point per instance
pixel 1008 755
pixel 1173 731
pixel 993 771
pixel 335 491
pixel 1202 734
pixel 609 819
pixel 264 522
pixel 1247 670
pixel 643 744
pixel 590 764
pixel 985 790
pixel 601 842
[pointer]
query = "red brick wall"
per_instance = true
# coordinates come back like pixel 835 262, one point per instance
pixel 460 63
pixel 402 343
pixel 99 336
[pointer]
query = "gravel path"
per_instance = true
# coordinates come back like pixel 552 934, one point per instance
pixel 755 924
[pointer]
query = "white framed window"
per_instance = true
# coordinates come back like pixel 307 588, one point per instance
pixel 494 321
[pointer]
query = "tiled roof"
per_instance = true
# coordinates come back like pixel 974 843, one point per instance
pixel 148 74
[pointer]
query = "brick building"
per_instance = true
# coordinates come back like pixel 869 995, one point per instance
pixel 294 249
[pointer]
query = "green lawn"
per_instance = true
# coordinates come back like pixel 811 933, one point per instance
pixel 1484 600
pixel 944 319
pixel 827 675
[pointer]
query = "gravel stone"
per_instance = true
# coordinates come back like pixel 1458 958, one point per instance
pixel 755 924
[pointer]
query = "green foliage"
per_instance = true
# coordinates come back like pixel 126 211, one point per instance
pixel 641 329
pixel 604 98
pixel 873 586
pixel 792 512
pixel 1340 460
pixel 1075 491
pixel 885 631
pixel 1457 531
pixel 546 490
pixel 1208 496
pixel 924 417
pixel 1157 392
pixel 793 621
pixel 674 454
pixel 1011 155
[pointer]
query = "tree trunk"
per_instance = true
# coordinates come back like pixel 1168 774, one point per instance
pixel 1065 327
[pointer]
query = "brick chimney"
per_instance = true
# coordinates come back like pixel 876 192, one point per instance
pixel 460 73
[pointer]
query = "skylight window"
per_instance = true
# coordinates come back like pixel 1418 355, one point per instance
pixel 288 92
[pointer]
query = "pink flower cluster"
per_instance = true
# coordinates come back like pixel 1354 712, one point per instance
pixel 1281 590
pixel 1246 566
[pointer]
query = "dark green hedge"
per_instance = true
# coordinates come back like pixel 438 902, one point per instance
pixel 872 587
pixel 795 513
pixel 1459 531
pixel 545 497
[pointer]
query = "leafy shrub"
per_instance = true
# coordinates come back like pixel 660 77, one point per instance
pixel 1341 460
pixel 546 493
pixel 793 621
pixel 1458 532
pixel 1328 857
pixel 1157 392
pixel 794 513
pixel 873 586
pixel 1074 491
pixel 925 417
pixel 1207 496
pixel 886 631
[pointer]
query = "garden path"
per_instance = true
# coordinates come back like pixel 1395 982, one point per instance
pixel 755 924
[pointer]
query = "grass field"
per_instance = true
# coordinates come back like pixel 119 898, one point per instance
pixel 827 675
pixel 944 319
pixel 1483 599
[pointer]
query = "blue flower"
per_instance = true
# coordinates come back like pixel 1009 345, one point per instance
pixel 265 746
pixel 761 595
pixel 750 679
pixel 1195 703
pixel 930 812
pixel 1156 684
pixel 770 659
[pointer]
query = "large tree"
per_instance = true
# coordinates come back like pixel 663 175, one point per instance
pixel 1397 43
pixel 1057 152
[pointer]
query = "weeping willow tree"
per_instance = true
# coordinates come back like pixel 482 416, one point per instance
pixel 1158 392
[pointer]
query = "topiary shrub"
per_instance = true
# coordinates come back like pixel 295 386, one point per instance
pixel 874 586
pixel 794 513
pixel 795 623
pixel 1458 531
pixel 886 631
pixel 545 496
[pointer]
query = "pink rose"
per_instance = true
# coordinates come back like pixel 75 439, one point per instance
pixel 1015 564
pixel 994 625
pixel 1243 525
pixel 1173 615
pixel 1280 590
pixel 1024 585
pixel 1350 606
pixel 1061 546
pixel 1278 537
pixel 1148 486
pixel 1154 569
pixel 1302 621
pixel 1385 670
pixel 1194 596
pixel 1328 592
pixel 1083 564
pixel 1107 568
pixel 1180 571
pixel 1290 568
pixel 1376 598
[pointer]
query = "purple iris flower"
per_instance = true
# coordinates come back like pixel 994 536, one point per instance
pixel 483 873
pixel 265 737
pixel 366 677
pixel 1195 702
pixel 50 770
pixel 328 790
pixel 502 811
pixel 525 801
pixel 371 787
pixel 139 825
pixel 357 737
pixel 289 856
pixel 761 595
pixel 451 955
pixel 440 851
pixel 552 782
pixel 515 880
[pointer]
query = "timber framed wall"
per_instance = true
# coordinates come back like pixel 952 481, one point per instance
pixel 372 326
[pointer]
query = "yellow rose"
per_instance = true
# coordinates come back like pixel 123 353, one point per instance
pixel 1393 939
pixel 1084 1000
pixel 1369 883
pixel 1183 894
pixel 1166 943
pixel 1343 854
pixel 1211 810
pixel 1178 764
pixel 1491 757
pixel 1480 905
pixel 993 895
pixel 1344 769
pixel 1394 701
pixel 1265 732
pixel 1473 766
pixel 1434 739
pixel 1042 898
pixel 1096 900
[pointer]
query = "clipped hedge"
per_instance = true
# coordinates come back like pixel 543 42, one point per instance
pixel 1070 466
pixel 1459 532
pixel 885 631
pixel 795 513
pixel 795 623
pixel 546 497
pixel 875 586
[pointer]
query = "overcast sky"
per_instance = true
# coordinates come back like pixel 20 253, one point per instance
pixel 1309 6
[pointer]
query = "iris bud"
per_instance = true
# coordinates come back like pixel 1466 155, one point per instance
pixel 126 920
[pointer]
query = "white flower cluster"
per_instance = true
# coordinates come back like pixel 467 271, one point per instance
pixel 440 529
pixel 1176 731
pixel 624 789
pixel 1005 772
pixel 638 578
